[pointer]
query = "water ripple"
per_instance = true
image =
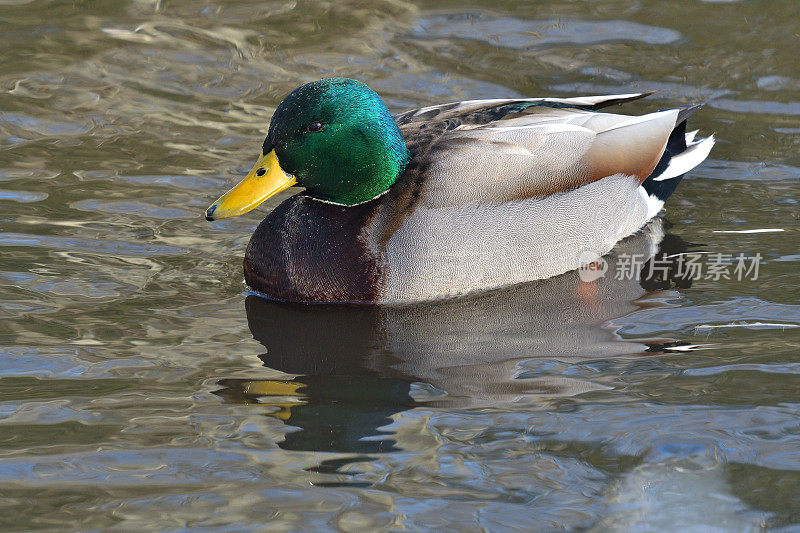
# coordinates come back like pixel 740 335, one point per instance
pixel 519 34
pixel 134 394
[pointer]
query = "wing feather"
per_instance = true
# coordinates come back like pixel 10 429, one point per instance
pixel 541 153
pixel 465 108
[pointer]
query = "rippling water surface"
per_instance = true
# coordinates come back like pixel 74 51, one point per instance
pixel 141 388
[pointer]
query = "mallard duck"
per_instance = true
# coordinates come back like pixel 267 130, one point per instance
pixel 448 199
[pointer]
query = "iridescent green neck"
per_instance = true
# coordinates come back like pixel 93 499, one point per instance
pixel 363 168
pixel 353 153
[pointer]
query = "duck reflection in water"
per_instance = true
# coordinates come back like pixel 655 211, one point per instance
pixel 357 366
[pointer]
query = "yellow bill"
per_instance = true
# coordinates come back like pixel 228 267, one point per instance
pixel 263 182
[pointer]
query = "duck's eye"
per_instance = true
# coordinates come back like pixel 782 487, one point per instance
pixel 260 172
pixel 315 126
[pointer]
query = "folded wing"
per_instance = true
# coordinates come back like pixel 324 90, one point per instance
pixel 539 151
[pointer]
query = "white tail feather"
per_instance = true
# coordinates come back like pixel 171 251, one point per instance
pixel 685 161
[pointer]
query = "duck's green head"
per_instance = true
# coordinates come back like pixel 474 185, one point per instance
pixel 334 137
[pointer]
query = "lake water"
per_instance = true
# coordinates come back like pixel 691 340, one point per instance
pixel 141 388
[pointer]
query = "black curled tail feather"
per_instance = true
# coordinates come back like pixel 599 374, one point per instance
pixel 676 144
